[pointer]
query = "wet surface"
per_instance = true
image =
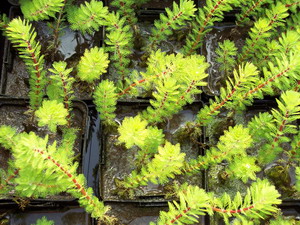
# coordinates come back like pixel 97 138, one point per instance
pixel 226 31
pixel 119 162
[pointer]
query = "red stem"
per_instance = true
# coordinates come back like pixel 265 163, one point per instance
pixel 246 14
pixel 180 215
pixel 232 211
pixel 38 73
pixel 66 172
pixel 187 91
pixel 66 99
pixel 198 38
pixel 265 83
pixel 10 177
pixel 168 24
pixel 289 5
pixel 125 91
pixel 282 125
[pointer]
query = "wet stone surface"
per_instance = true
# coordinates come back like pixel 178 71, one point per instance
pixel 226 31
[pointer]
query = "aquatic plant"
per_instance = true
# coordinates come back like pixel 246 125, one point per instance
pixel 194 202
pixel 44 221
pixel 276 126
pixel 206 17
pixel 226 52
pixel 39 169
pixel 40 9
pixel 22 36
pixel 52 114
pixel 87 18
pixel 92 64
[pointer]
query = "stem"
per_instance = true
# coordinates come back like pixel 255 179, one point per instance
pixel 232 211
pixel 207 19
pixel 66 98
pixel 186 91
pixel 125 91
pixel 40 11
pixel 180 215
pixel 37 73
pixel 243 57
pixel 190 168
pixel 126 15
pixel 10 177
pixel 260 86
pixel 282 125
pixel 167 25
pixel 80 188
pixel 246 14
pixel 225 99
pixel 120 61
pixel 297 87
pixel 289 5
pixel 56 30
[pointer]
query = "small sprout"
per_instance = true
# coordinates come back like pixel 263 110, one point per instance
pixel 44 221
pixel 92 65
pixel 52 114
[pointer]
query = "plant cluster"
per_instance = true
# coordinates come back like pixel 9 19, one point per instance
pixel 267 64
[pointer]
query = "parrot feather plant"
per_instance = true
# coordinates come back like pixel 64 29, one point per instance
pixel 40 167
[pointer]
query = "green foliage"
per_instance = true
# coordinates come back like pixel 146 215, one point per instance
pixel 105 99
pixel 119 40
pixel 7 134
pixel 174 20
pixel 194 202
pixel 294 153
pixel 165 164
pixel 134 131
pixel 233 143
pixel 262 30
pixel 251 9
pixel 45 169
pixel 44 221
pixel 226 53
pixel 88 17
pixel 244 79
pixel 244 168
pixel 22 36
pixel 257 204
pixel 52 114
pixel 92 64
pixel 126 9
pixel 207 16
pixel 276 126
pixel 40 9
pixel 282 76
pixel 282 221
pixel 4 20
pixel 60 88
pixel 176 88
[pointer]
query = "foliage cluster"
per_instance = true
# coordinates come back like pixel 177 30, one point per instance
pixel 267 64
